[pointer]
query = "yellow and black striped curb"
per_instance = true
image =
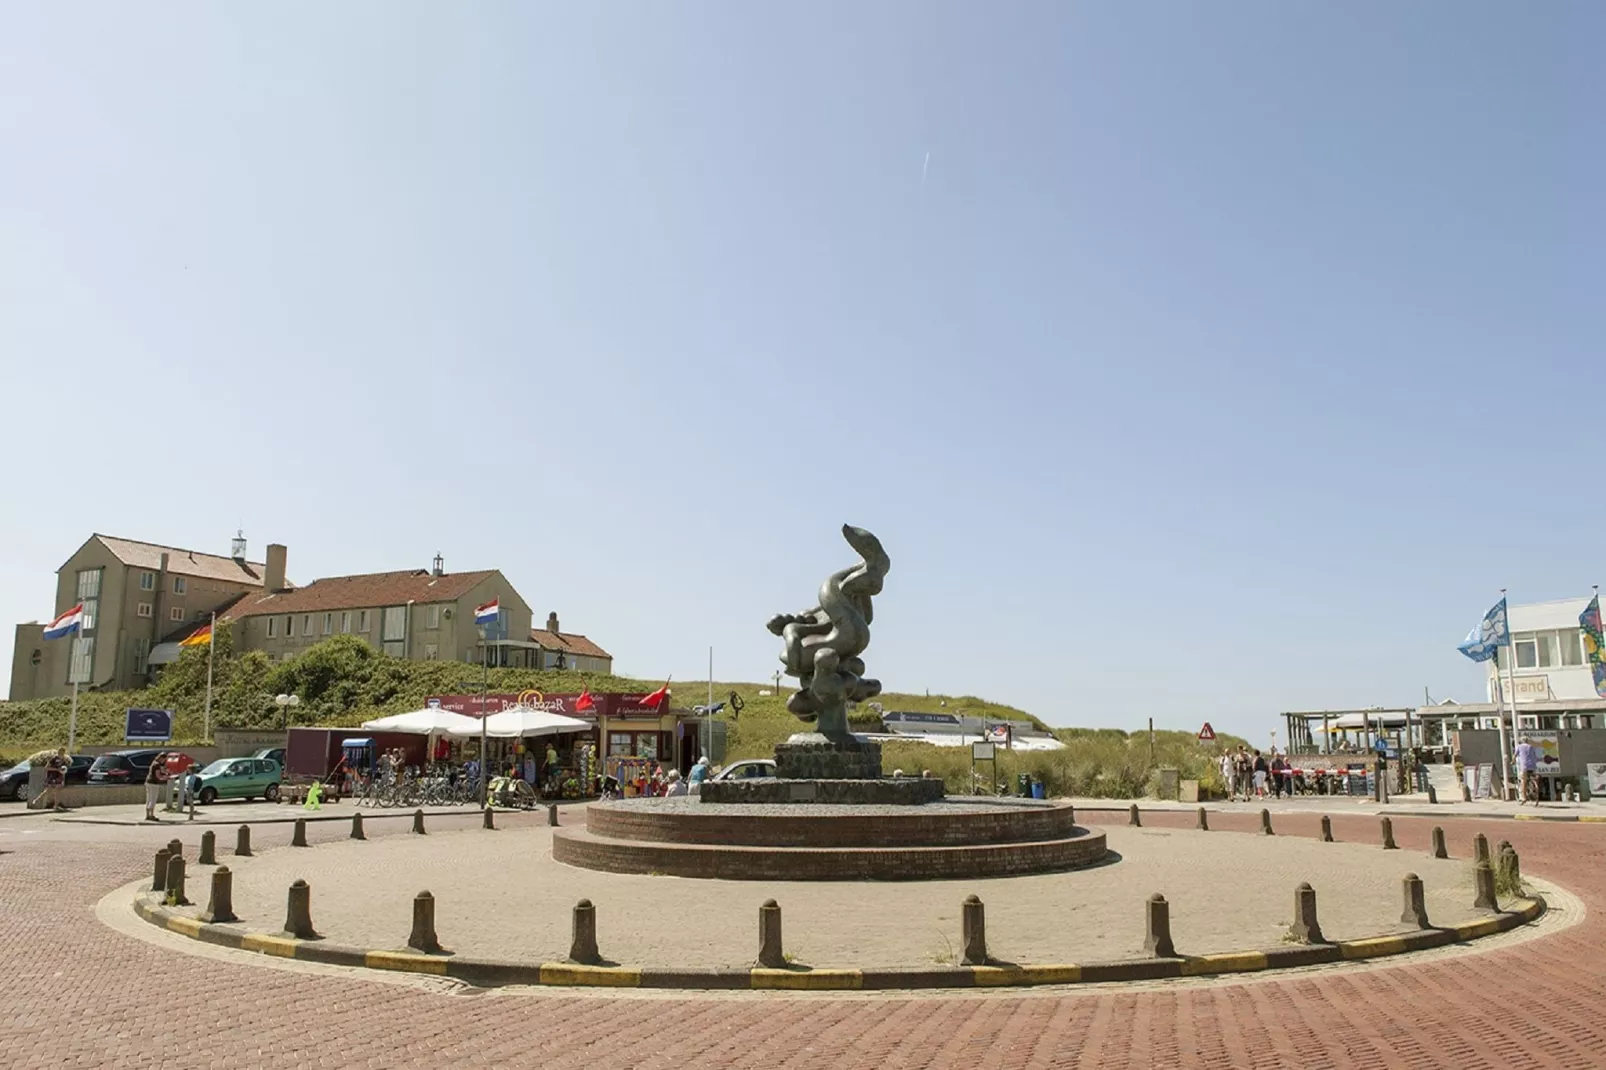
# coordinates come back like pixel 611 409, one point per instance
pixel 490 973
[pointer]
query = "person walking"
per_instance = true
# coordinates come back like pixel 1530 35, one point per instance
pixel 1528 772
pixel 1260 775
pixel 155 777
pixel 1246 772
pixel 55 779
pixel 1228 772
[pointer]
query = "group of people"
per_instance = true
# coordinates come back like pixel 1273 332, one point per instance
pixel 660 782
pixel 170 768
pixel 1252 776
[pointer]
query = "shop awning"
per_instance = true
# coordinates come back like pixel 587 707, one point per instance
pixel 426 722
pixel 517 722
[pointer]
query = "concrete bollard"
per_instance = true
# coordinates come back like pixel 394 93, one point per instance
pixel 1433 795
pixel 1265 823
pixel 159 874
pixel 220 906
pixel 299 838
pixel 1306 929
pixel 1439 850
pixel 357 832
pixel 583 945
pixel 298 913
pixel 174 848
pixel 1466 793
pixel 1327 829
pixel 208 849
pixel 1480 848
pixel 242 842
pixel 418 822
pixel 1416 906
pixel 1203 824
pixel 552 815
pixel 1133 819
pixel 490 819
pixel 770 954
pixel 1506 865
pixel 1483 883
pixel 1157 940
pixel 1387 826
pixel 973 931
pixel 422 938
pixel 175 882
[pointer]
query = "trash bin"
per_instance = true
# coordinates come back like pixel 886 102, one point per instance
pixel 1023 785
pixel 1037 790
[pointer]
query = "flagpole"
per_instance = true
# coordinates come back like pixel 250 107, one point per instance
pixel 211 640
pixel 1511 698
pixel 710 707
pixel 72 718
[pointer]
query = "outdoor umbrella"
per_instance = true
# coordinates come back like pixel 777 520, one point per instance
pixel 426 722
pixel 517 722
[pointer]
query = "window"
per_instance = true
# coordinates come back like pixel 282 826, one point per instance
pixel 1527 653
pixel 178 584
pixel 289 626
pixel 1572 646
pixel 306 624
pixel 176 613
pixel 81 665
pixel 362 621
pixel 328 623
pixel 144 609
pixel 430 650
pixel 142 649
pixel 619 744
pixel 273 627
pixel 147 581
pixel 345 623
pixel 432 616
pixel 89 595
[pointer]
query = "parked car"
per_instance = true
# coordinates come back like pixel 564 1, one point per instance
pixel 14 781
pixel 125 766
pixel 240 778
pixel 275 754
pixel 753 767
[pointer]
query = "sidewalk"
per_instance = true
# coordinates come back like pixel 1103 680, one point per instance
pixel 1398 805
pixel 254 813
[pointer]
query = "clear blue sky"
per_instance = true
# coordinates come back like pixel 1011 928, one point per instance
pixel 1226 358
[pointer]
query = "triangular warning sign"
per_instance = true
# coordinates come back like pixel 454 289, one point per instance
pixel 1207 734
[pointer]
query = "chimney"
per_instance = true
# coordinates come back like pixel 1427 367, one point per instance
pixel 552 622
pixel 440 565
pixel 273 574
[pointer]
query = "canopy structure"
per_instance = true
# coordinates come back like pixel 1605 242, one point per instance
pixel 425 723
pixel 510 724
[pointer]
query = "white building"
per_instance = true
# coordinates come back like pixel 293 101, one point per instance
pixel 1548 646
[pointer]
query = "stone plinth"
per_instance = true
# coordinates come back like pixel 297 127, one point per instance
pixel 882 791
pixel 811 756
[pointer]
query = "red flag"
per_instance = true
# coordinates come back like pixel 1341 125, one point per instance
pixel 657 698
pixel 584 702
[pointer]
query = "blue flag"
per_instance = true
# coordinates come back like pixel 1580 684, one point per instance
pixel 1490 634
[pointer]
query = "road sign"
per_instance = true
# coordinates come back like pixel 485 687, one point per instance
pixel 1207 734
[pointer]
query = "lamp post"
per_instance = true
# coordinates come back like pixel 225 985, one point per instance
pixel 284 702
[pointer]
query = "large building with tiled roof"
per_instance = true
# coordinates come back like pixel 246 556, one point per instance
pixel 133 594
pixel 568 650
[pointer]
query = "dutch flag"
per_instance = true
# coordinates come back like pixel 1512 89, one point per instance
pixel 488 613
pixel 66 624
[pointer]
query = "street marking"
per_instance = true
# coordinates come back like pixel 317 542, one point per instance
pixel 1228 962
pixel 269 945
pixel 562 973
pixel 808 980
pixel 396 960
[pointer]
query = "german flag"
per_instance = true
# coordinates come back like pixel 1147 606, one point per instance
pixel 202 636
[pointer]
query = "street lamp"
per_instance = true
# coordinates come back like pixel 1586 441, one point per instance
pixel 284 702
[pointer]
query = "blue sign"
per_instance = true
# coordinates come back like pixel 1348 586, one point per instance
pixel 149 726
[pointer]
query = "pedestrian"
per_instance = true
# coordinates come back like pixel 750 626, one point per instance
pixel 1228 772
pixel 1245 767
pixel 55 779
pixel 699 772
pixel 1260 775
pixel 155 777
pixel 677 786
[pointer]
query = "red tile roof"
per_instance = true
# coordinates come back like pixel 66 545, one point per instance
pixel 148 555
pixel 371 591
pixel 567 642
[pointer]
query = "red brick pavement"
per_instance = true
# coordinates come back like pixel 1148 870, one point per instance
pixel 78 994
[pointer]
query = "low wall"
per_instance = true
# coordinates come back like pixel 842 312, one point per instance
pixel 75 795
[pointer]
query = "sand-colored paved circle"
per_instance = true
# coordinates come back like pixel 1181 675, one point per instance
pixel 500 894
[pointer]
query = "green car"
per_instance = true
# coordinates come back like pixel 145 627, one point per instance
pixel 240 778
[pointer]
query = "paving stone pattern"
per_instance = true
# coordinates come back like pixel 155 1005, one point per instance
pixel 82 995
pixel 1228 892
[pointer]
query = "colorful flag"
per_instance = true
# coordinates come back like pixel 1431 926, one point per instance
pixel 488 613
pixel 657 698
pixel 66 624
pixel 201 635
pixel 585 702
pixel 1489 635
pixel 1589 621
